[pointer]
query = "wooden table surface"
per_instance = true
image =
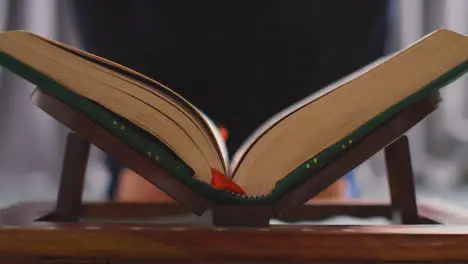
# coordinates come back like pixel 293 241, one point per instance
pixel 275 243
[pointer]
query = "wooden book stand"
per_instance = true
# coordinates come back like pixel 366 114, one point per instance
pixel 65 232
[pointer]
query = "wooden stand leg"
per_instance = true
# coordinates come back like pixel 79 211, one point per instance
pixel 401 182
pixel 72 180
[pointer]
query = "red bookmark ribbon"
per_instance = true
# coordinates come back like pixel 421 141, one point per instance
pixel 220 181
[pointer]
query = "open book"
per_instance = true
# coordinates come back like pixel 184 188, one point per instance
pixel 287 149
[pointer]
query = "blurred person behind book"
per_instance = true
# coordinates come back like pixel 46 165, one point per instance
pixel 240 62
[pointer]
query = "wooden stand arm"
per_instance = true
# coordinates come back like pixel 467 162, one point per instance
pixel 381 138
pixel 113 146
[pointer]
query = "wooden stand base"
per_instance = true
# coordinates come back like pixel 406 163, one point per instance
pixel 70 231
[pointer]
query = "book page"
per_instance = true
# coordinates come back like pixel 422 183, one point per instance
pixel 218 137
pixel 177 100
pixel 271 122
